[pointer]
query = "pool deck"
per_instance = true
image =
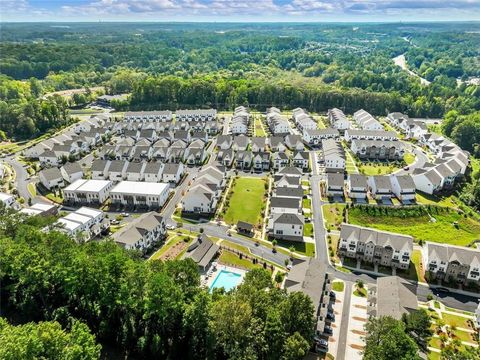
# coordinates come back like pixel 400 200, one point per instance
pixel 207 280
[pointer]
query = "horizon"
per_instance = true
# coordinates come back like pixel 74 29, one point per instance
pixel 246 11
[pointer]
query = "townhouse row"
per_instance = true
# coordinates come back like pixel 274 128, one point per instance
pixel 125 193
pixel 380 187
pixel 83 224
pixel 163 116
pixel 286 220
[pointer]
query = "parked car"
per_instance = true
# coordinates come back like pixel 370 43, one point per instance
pixel 322 343
pixel 328 330
pixel 331 316
pixel 125 214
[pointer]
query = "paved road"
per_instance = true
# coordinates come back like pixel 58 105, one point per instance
pixel 421 159
pixel 342 337
pixel 21 179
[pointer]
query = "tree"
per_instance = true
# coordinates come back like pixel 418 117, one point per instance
pixel 47 340
pixel 468 353
pixel 418 322
pixel 295 347
pixel 297 315
pixel 386 339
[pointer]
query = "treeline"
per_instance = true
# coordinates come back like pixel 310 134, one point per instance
pixel 23 114
pixel 148 309
pixel 173 93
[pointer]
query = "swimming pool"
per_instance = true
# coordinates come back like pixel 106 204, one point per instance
pixel 226 279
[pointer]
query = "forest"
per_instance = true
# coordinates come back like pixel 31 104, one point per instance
pixel 316 66
pixel 97 293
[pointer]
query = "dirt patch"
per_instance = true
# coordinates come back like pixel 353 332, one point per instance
pixel 360 306
pixel 331 339
pixel 359 319
pixel 174 251
pixel 357 347
pixel 338 301
pixel 359 332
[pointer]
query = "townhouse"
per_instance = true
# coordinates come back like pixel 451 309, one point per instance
pixel 147 116
pixel 378 149
pixel 280 160
pixel 380 187
pixel 366 121
pixel 40 209
pixel 277 123
pixel 310 277
pixel 301 159
pixel 289 192
pixel 354 134
pixel 303 120
pixel 403 187
pixel 71 172
pixel 202 197
pixel 338 120
pixel 294 142
pixel 224 142
pixel 240 143
pixel 117 170
pixel 99 169
pixel 287 205
pixel 142 233
pixel 314 137
pixel 261 161
pixel 334 185
pixel 287 226
pixel 51 178
pixel 172 173
pixel 140 194
pixel 196 115
pixel 451 263
pixel 152 172
pixel 8 200
pixel 226 157
pixel 376 247
pixel 333 156
pixel 243 160
pixel 84 223
pixel 240 121
pixel 87 192
pixel 357 187
pixel 277 143
pixel 391 296
pixel 135 171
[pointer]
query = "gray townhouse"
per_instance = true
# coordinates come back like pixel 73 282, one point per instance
pixel 375 247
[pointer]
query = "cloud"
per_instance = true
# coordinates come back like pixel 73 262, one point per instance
pixel 258 9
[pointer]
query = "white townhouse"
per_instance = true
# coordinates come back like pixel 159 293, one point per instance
pixel 314 137
pixel 153 172
pixel 71 172
pixel 451 263
pixel 380 187
pixel 51 178
pixel 147 116
pixel 40 209
pixel 286 226
pixel 172 173
pixel 285 205
pixel 338 120
pixel 136 193
pixel 403 187
pixel 303 120
pixel 366 121
pixel 357 186
pixel 85 222
pixel 100 169
pixel 117 170
pixel 395 117
pixel 427 180
pixel 277 123
pixel 374 246
pixel 333 156
pixel 135 171
pixel 7 199
pixel 354 134
pixel 196 115
pixel 240 121
pixel 87 191
pixel 301 159
pixel 334 185
pixel 224 142
pixel 294 142
pixel 142 233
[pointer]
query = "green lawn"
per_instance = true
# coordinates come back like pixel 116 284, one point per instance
pixel 308 230
pixel 433 356
pixel 32 189
pixel 171 241
pixel 54 198
pixel 333 215
pixel 464 336
pixel 455 320
pixel 307 204
pixel 360 292
pixel 247 201
pixel 259 131
pixel 229 258
pixel 420 226
pixel 409 158
pixel 307 249
pixel 338 286
pixel 376 168
pixel 235 246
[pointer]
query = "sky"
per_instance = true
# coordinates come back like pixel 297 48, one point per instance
pixel 239 10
